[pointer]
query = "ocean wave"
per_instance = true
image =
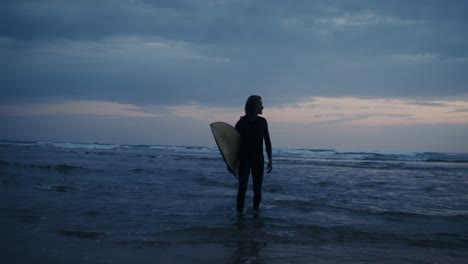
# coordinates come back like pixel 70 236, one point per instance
pixel 143 243
pixel 65 145
pixel 101 153
pixel 264 229
pixel 442 157
pixel 350 234
pixel 300 205
pixel 28 216
pixel 210 182
pixel 82 234
pixel 55 188
pixel 212 233
pixel 405 216
pixel 327 154
pixel 61 168
pixel 142 171
pixel 307 205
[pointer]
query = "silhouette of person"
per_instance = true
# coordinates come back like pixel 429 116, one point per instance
pixel 253 131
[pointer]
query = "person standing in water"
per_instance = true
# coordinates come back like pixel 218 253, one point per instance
pixel 253 131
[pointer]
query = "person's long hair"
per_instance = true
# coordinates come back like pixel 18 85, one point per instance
pixel 251 105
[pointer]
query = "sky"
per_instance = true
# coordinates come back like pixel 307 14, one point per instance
pixel 357 75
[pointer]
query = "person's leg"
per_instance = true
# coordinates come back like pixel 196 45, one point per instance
pixel 244 171
pixel 257 177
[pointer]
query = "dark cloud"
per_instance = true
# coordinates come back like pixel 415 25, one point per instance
pixel 461 110
pixel 214 21
pixel 433 104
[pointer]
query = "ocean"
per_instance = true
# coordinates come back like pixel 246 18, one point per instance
pixel 104 203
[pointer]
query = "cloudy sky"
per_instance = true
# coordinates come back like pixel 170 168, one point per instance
pixel 347 75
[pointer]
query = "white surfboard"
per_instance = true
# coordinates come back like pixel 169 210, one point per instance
pixel 228 140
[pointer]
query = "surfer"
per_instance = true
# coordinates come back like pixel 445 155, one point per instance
pixel 253 131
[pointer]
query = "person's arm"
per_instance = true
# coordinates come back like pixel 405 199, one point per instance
pixel 268 148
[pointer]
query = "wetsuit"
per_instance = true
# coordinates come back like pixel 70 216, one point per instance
pixel 252 133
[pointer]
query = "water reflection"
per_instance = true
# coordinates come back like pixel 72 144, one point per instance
pixel 250 239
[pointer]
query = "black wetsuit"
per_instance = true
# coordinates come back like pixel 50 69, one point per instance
pixel 253 133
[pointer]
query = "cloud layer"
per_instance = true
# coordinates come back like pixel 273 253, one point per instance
pixel 169 52
pixel 315 110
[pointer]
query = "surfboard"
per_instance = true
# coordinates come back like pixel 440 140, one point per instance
pixel 228 140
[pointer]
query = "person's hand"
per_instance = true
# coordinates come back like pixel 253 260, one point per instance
pixel 269 166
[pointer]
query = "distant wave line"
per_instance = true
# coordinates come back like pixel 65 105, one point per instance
pixel 328 154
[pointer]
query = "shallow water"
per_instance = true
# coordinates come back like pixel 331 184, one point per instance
pixel 96 203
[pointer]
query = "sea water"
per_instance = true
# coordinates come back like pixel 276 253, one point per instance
pixel 102 203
